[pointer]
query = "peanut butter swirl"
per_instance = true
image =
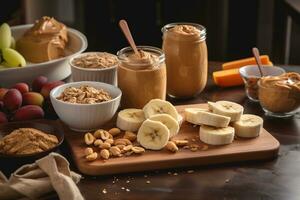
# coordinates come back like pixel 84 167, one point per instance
pixel 145 60
pixel 289 81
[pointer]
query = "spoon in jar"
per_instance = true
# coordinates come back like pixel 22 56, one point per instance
pixel 125 29
pixel 255 52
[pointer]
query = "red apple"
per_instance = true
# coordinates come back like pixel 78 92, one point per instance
pixel 38 83
pixel 2 93
pixel 12 99
pixel 22 87
pixel 3 118
pixel 33 98
pixel 46 89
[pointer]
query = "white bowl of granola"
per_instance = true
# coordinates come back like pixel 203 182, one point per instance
pixel 85 105
pixel 95 66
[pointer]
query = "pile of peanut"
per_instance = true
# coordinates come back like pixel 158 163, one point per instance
pixel 109 146
pixel 124 146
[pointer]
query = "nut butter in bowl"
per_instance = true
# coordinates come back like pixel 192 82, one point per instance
pixel 141 77
pixel 279 96
pixel 251 75
pixel 186 59
pixel 95 66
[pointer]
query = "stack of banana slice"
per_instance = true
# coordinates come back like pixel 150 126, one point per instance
pixel 156 123
pixel 214 121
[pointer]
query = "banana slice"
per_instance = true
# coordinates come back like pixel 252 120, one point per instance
pixel 130 119
pixel 248 126
pixel 204 117
pixel 227 108
pixel 153 135
pixel 216 136
pixel 210 105
pixel 191 114
pixel 179 120
pixel 158 106
pixel 167 120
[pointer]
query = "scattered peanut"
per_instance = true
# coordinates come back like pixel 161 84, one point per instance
pixel 88 151
pixel 110 141
pixel 120 146
pixel 114 131
pixel 130 136
pixel 122 141
pixel 194 147
pixel 171 146
pixel 104 153
pixel 138 150
pixel 92 157
pixel 89 138
pixel 181 142
pixel 105 145
pixel 127 148
pixel 98 142
pixel 115 151
pixel 103 134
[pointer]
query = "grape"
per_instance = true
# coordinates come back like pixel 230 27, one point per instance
pixel 13 58
pixel 5 36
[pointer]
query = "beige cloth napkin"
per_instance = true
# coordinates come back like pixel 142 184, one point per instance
pixel 32 181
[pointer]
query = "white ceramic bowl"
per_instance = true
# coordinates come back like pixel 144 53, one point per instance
pixel 106 75
pixel 57 69
pixel 85 117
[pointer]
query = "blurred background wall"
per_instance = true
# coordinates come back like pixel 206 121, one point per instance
pixel 233 26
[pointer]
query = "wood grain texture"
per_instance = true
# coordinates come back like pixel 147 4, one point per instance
pixel 263 147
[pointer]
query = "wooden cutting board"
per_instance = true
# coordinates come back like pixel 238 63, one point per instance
pixel 263 147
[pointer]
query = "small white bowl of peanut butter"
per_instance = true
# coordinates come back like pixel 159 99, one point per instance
pixel 95 66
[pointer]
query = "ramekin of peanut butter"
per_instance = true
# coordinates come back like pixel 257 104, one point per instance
pixel 141 77
pixel 186 59
pixel 279 96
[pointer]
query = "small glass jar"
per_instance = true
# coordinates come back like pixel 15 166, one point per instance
pixel 186 59
pixel 278 101
pixel 141 80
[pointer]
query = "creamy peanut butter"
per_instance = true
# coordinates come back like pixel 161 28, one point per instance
pixel 186 59
pixel 280 94
pixel 45 41
pixel 141 77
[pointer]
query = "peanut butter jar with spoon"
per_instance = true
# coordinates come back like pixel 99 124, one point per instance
pixel 141 77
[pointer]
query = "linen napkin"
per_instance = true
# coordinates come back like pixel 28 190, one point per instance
pixel 48 174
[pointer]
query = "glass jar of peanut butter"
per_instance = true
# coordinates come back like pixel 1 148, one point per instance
pixel 141 77
pixel 186 59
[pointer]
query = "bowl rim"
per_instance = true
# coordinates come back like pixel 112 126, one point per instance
pixel 92 69
pixel 244 68
pixel 82 83
pixel 80 35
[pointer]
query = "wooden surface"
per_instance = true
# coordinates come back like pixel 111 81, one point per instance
pixel 263 147
pixel 275 179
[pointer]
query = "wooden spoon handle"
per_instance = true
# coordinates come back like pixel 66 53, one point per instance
pixel 124 27
pixel 255 52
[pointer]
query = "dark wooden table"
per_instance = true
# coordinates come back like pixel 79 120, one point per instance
pixel 272 179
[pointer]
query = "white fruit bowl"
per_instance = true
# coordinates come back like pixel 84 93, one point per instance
pixel 86 117
pixel 57 69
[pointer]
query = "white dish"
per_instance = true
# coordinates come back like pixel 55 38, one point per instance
pixel 57 69
pixel 86 117
pixel 106 75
